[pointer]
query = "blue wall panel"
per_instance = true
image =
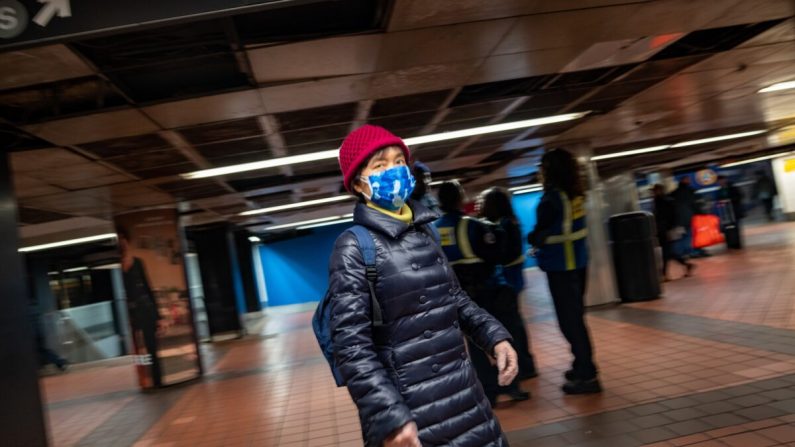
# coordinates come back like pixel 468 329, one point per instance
pixel 296 270
pixel 524 205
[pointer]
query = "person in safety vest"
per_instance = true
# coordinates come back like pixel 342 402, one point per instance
pixel 474 248
pixel 559 239
pixel 495 206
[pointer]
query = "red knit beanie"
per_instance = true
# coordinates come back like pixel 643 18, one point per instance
pixel 360 144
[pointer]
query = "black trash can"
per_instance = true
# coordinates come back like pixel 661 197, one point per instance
pixel 729 224
pixel 633 239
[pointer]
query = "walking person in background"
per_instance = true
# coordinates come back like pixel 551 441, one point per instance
pixel 474 248
pixel 686 206
pixel 559 241
pixel 668 231
pixel 397 327
pixel 765 191
pixel 496 207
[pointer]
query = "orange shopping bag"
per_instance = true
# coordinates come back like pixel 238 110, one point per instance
pixel 706 231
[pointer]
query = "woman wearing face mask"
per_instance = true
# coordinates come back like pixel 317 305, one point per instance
pixel 411 377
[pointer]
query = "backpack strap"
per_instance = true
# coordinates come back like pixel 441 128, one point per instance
pixel 433 232
pixel 367 247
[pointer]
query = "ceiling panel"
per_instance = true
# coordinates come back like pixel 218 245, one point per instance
pixel 69 97
pixel 338 56
pixel 207 109
pixel 140 162
pixel 32 216
pixel 127 146
pixel 224 149
pixel 455 43
pixel 409 103
pixel 25 187
pixel 318 116
pixel 167 63
pixel 45 159
pixel 405 125
pixel 222 131
pixel 315 93
pixel 333 133
pixel 165 170
pixel 41 65
pixel 409 14
pixel 95 127
pixel 311 20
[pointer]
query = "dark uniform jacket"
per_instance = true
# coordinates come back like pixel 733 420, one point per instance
pixel 416 367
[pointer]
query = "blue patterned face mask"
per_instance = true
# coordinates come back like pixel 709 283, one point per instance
pixel 391 188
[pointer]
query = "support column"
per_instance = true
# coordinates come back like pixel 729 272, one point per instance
pixel 784 172
pixel 21 411
pixel 601 273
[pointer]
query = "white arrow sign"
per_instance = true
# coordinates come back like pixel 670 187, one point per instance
pixel 50 8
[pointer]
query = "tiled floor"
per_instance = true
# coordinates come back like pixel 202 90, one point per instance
pixel 711 364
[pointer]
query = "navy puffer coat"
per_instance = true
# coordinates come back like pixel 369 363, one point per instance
pixel 415 367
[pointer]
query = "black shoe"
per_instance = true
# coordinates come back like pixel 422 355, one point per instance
pixel 519 395
pixel 578 386
pixel 570 375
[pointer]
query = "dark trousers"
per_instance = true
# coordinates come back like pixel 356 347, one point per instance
pixel 488 299
pixel 514 323
pixel 568 294
pixel 669 254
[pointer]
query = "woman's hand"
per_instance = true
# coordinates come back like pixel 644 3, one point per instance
pixel 507 363
pixel 405 436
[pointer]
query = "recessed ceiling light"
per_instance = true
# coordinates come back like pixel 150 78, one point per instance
pixel 332 153
pixel 778 86
pixel 254 239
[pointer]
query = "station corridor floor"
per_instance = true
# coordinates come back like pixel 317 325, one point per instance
pixel 712 363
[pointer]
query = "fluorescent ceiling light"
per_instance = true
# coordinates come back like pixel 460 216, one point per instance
pixel 333 222
pixel 308 222
pixel 78 241
pixel 754 160
pixel 290 206
pixel 678 145
pixel 518 188
pixel 778 86
pixel 529 190
pixel 111 266
pixel 330 154
pixel 632 152
pixel 254 239
pixel 76 269
pixel 494 128
pixel 715 139
pixel 439 182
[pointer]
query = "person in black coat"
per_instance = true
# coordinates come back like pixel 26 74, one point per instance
pixel 496 207
pixel 668 230
pixel 411 379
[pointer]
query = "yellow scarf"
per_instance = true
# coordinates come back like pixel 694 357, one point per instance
pixel 405 214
